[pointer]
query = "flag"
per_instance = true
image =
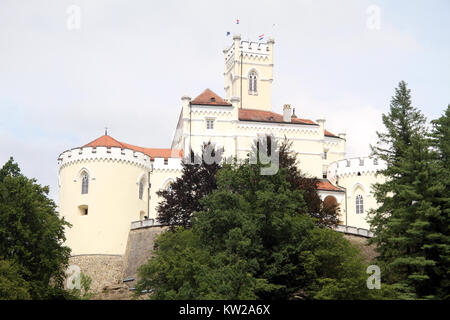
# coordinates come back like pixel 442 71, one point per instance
pixel 261 36
pixel 228 33
pixel 237 21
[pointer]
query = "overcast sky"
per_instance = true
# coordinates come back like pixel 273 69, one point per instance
pixel 127 64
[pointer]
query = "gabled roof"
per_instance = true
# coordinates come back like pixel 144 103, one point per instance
pixel 208 97
pixel 108 141
pixel 326 185
pixel 269 116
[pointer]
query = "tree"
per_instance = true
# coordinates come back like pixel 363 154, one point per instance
pixel 324 215
pixel 285 157
pixel 405 225
pixel 440 136
pixel 181 199
pixel 252 239
pixel 32 233
pixel 12 285
pixel 439 249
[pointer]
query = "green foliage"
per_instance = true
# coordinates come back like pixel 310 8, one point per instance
pixel 324 215
pixel 182 199
pixel 32 233
pixel 253 240
pixel 84 292
pixel 12 285
pixel 411 225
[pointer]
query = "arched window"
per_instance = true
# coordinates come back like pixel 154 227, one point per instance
pixel 84 183
pixel 359 204
pixel 167 185
pixel 252 82
pixel 141 189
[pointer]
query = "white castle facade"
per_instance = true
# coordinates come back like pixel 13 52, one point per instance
pixel 106 185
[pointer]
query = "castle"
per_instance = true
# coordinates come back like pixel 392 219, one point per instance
pixel 107 187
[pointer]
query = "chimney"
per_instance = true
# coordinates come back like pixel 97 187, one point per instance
pixel 293 113
pixel 321 123
pixel 185 102
pixel 287 113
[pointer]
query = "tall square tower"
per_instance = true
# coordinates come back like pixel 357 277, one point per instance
pixel 248 73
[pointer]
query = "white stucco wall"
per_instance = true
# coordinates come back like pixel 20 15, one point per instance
pixel 357 176
pixel 113 196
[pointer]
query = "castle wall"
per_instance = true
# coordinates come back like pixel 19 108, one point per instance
pixel 104 270
pixel 160 178
pixel 140 246
pixel 237 137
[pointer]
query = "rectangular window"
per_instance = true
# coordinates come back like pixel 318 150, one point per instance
pixel 325 155
pixel 209 124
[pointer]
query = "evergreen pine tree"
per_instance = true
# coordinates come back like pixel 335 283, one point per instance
pixel 439 249
pixel 404 225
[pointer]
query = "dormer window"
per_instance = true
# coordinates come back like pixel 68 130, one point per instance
pixel 252 83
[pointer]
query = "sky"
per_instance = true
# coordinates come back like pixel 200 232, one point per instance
pixel 68 69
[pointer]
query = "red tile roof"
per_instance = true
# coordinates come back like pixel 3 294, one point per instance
pixel 268 116
pixel 108 141
pixel 210 98
pixel 329 134
pixel 327 186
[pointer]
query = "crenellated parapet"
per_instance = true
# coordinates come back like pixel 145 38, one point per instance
pixel 86 154
pixel 170 164
pixel 354 167
pixel 250 50
pixel 116 154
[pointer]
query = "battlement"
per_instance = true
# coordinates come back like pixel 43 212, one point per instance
pixel 354 166
pixel 167 164
pixel 116 154
pixel 248 48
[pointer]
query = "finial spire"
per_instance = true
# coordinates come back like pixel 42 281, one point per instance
pixel 106 131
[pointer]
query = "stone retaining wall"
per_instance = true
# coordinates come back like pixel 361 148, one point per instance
pixel 367 251
pixel 140 248
pixel 104 270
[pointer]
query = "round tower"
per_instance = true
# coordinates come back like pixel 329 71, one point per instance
pixel 356 176
pixel 102 189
